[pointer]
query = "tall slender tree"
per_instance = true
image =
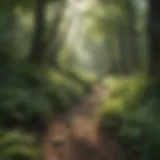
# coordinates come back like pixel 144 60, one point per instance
pixel 134 57
pixel 154 35
pixel 37 49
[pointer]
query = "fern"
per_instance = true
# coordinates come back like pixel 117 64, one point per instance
pixel 16 145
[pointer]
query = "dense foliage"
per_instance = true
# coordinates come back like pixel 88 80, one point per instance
pixel 111 45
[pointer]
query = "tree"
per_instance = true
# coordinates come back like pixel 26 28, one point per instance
pixel 46 49
pixel 154 35
pixel 54 41
pixel 37 49
pixel 131 19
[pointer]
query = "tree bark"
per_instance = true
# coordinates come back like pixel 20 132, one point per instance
pixel 54 43
pixel 37 50
pixel 153 89
pixel 135 63
pixel 154 35
pixel 121 35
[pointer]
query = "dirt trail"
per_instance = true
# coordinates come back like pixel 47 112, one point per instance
pixel 84 118
pixel 81 139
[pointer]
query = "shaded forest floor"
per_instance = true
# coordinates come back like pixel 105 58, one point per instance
pixel 86 119
pixel 138 126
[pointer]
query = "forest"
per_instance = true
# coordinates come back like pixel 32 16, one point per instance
pixel 52 52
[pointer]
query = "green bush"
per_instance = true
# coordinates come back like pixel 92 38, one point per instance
pixel 29 92
pixel 122 92
pixel 140 132
pixel 30 95
pixel 16 145
pixel 139 111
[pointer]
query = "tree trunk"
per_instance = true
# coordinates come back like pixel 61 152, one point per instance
pixel 54 41
pixel 153 89
pixel 37 50
pixel 154 35
pixel 135 63
pixel 121 35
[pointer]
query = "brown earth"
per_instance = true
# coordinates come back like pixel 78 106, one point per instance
pixel 78 135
